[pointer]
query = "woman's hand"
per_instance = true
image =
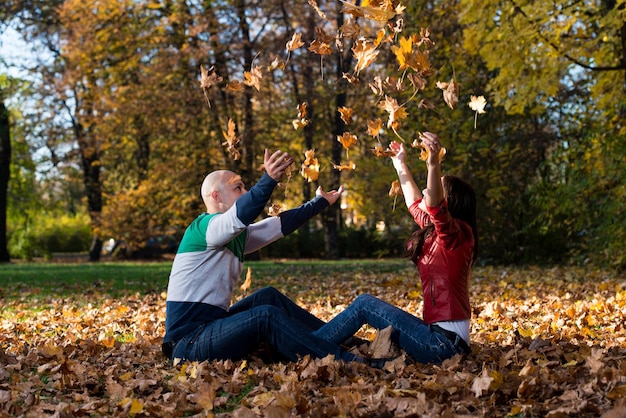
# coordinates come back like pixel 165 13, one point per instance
pixel 398 148
pixel 433 144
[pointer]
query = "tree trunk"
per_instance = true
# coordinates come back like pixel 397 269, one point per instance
pixel 248 133
pixel 90 161
pixel 332 214
pixel 5 175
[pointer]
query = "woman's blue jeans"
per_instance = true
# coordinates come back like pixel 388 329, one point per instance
pixel 410 333
pixel 267 316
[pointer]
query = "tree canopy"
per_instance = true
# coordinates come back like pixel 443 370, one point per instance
pixel 146 97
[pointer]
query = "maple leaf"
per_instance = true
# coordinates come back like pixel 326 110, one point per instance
pixel 310 172
pixel 320 48
pixel 302 121
pixel 208 79
pixel 377 86
pixel 302 110
pixel 450 92
pixel 276 208
pixel 276 63
pixel 477 104
pixel 396 189
pixel 403 52
pixel 350 30
pixel 310 168
pixel 382 347
pixel 349 166
pixel 365 53
pixel 380 152
pixel 381 14
pixel 396 113
pixel 347 140
pixel 418 82
pixel 346 114
pixel 351 79
pixel 481 383
pixel 232 140
pixel 295 42
pixel 253 77
pixel 235 86
pixel 374 127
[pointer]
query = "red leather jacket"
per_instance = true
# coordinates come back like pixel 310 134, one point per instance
pixel 445 264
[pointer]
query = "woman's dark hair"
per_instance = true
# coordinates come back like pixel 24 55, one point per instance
pixel 461 201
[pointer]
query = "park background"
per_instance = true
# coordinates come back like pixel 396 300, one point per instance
pixel 113 111
pixel 108 126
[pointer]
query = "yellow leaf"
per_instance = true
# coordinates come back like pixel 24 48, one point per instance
pixel 136 406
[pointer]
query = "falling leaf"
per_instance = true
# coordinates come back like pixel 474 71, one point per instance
pixel 302 121
pixel 347 140
pixel 235 86
pixel 396 112
pixel 365 53
pixel 310 172
pixel 253 77
pixel 380 152
pixel 374 127
pixel 396 189
pixel 477 104
pixel 350 30
pixel 310 169
pixel 295 42
pixel 302 110
pixel 450 92
pixel 276 209
pixel 349 166
pixel 208 79
pixel 320 48
pixel 351 79
pixel 232 140
pixel 346 114
pixel 382 13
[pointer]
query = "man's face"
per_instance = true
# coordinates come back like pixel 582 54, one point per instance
pixel 231 190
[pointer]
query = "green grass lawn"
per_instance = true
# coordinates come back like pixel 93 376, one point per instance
pixel 116 279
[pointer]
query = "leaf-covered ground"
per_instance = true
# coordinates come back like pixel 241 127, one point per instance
pixel 545 342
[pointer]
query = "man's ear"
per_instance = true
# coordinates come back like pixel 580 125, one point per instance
pixel 215 195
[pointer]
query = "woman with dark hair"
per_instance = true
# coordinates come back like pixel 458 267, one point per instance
pixel 444 250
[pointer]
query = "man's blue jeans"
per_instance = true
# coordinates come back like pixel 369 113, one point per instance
pixel 412 334
pixel 267 316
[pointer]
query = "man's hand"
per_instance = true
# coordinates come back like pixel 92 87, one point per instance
pixel 330 196
pixel 276 164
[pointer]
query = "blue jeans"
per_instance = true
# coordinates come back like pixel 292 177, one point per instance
pixel 410 333
pixel 267 316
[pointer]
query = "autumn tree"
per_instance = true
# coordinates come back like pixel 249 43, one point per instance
pixel 565 63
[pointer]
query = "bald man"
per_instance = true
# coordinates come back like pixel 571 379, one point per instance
pixel 200 324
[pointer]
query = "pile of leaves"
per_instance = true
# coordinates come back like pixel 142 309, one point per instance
pixel 545 342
